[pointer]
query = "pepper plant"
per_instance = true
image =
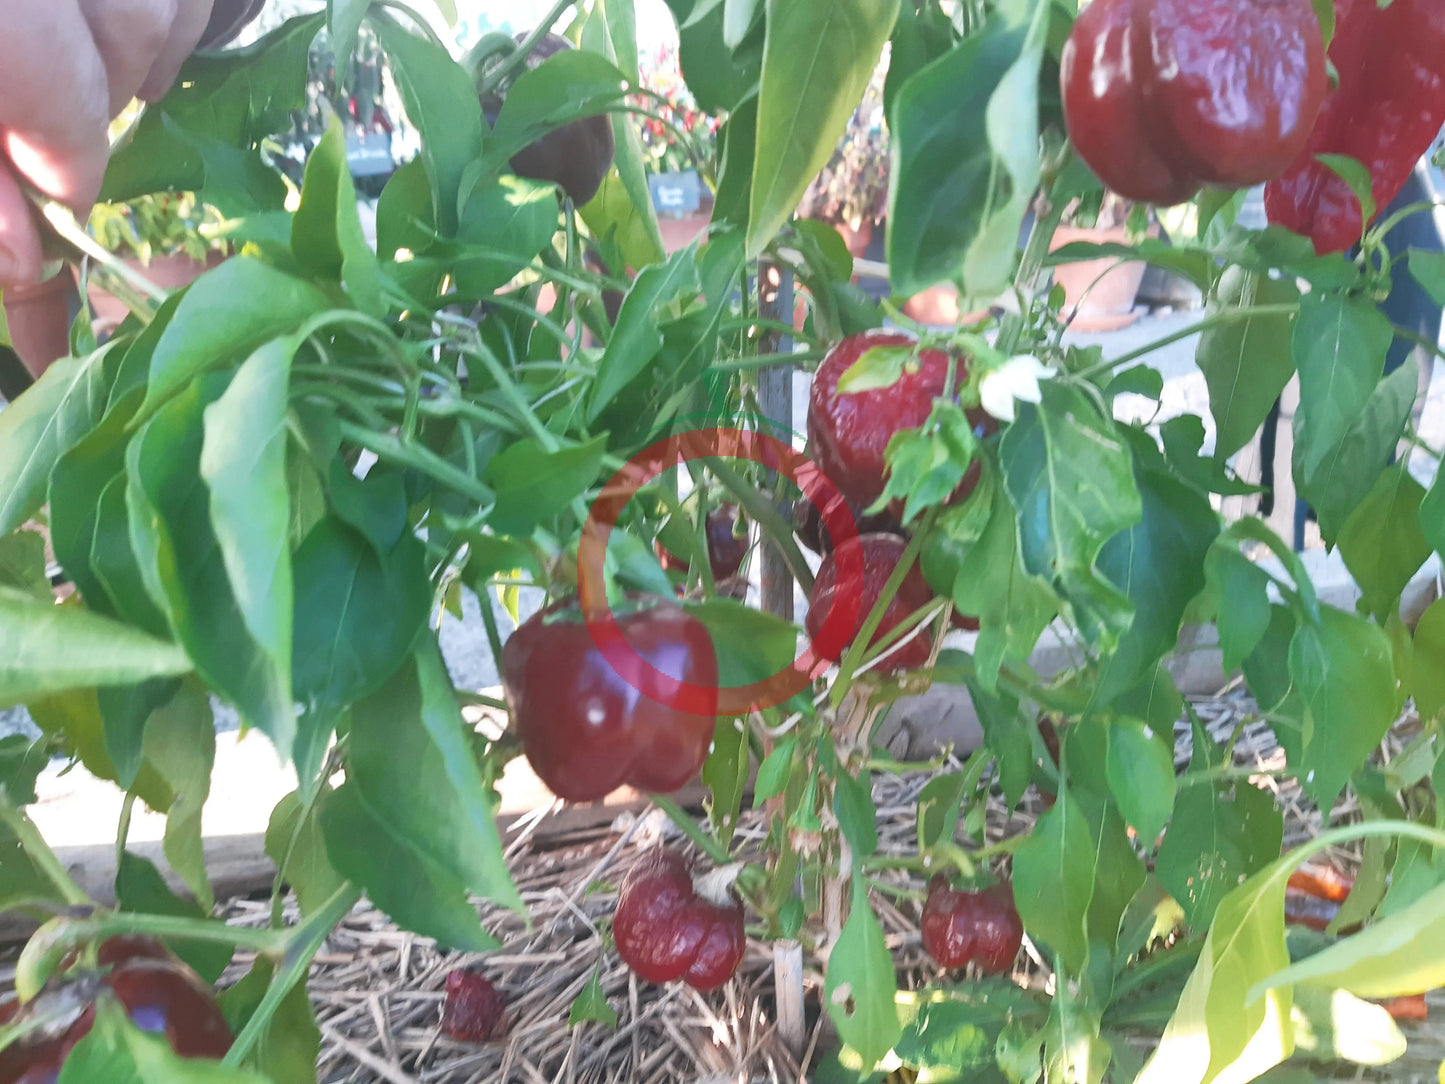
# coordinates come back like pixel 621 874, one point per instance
pixel 266 488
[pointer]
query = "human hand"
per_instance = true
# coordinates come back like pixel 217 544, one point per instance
pixel 66 68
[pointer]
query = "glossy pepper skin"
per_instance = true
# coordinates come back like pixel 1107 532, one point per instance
pixel 161 996
pixel 575 157
pixel 665 931
pixel 1386 111
pixel 1162 97
pixel 587 728
pixel 880 554
pixel 960 928
pixel 848 433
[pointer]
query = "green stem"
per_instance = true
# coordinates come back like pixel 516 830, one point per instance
pixel 40 854
pixel 764 361
pixel 503 71
pixel 1228 316
pixel 439 470
pixel 761 511
pixel 508 387
pixel 848 666
pixel 302 943
pixel 685 824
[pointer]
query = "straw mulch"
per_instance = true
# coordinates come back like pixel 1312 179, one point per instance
pixel 378 991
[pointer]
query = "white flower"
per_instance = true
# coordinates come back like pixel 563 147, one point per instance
pixel 1016 380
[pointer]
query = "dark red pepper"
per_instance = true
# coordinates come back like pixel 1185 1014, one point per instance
pixel 849 432
pixel 1162 97
pixel 473 1011
pixel 880 554
pixel 586 722
pixel 665 931
pixel 1386 111
pixel 726 548
pixel 960 928
pixel 160 995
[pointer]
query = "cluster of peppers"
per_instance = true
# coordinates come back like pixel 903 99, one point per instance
pixel 1163 97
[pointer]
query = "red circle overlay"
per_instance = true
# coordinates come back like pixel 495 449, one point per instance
pixel 730 443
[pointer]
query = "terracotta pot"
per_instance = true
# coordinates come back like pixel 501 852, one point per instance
pixel 937 306
pixel 39 320
pixel 1100 293
pixel 680 232
pixel 168 272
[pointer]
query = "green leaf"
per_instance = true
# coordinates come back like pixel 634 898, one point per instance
pixel 343 20
pixel 290 1045
pixel 326 233
pixel 140 887
pixel 294 841
pixel 637 338
pixel 963 175
pixel 857 819
pixel 1241 594
pixel 1158 563
pixel 1071 479
pixel 442 102
pixel 861 981
pixel 223 315
pixel 1218 835
pixel 1215 1026
pixel 1428 269
pixel 1357 176
pixel 22 564
pixel 38 428
pixel 737 139
pixel 877 367
pixel 719 77
pixel 180 744
pixel 921 36
pixel 1073 1049
pixel 243 462
pixel 751 645
pixel 359 611
pixel 1397 956
pixel 939 804
pixel 774 771
pixel 1429 683
pixel 1053 880
pixel 205 135
pixel 1141 777
pixel 118 1052
pixel 1345 675
pixel 21 762
pixel 1382 542
pixel 74 717
pixel 47 649
pixel 973 555
pixel 567 86
pixel 413 822
pixel 817 59
pixel 591 1005
pixel 1345 425
pixel 185 569
pixel 512 219
pixel 1246 363
pixel 1333 1025
pixel 534 485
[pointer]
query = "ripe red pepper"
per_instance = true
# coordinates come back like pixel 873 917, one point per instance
pixel 1386 111
pixel 880 554
pixel 665 931
pixel 1162 97
pixel 473 1011
pixel 587 728
pixel 848 432
pixel 160 995
pixel 960 928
